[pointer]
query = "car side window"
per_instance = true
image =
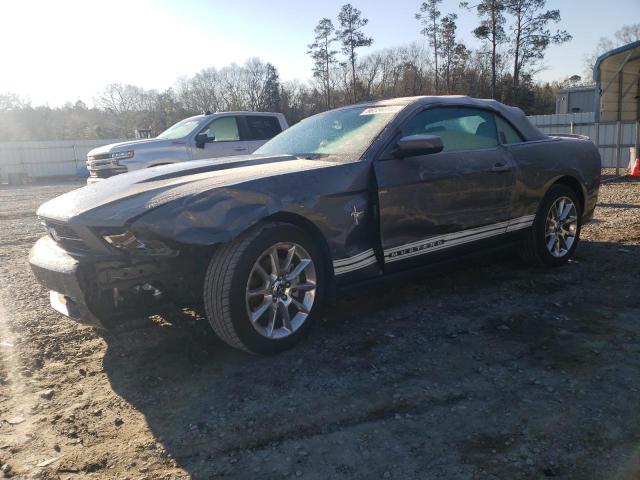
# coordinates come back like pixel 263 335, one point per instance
pixel 262 127
pixel 460 128
pixel 506 133
pixel 224 129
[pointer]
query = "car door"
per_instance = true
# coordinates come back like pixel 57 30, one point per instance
pixel 431 203
pixel 259 129
pixel 223 139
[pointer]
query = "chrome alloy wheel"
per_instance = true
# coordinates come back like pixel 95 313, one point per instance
pixel 281 290
pixel 561 227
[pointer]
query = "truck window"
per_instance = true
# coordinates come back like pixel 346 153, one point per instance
pixel 223 129
pixel 262 127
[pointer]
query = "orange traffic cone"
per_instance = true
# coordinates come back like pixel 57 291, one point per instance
pixel 634 168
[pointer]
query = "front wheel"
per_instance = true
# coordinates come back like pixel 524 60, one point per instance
pixel 262 290
pixel 555 233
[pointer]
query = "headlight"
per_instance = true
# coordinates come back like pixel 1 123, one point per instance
pixel 124 241
pixel 128 242
pixel 121 155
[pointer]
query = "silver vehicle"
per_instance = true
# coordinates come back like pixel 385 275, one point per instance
pixel 203 136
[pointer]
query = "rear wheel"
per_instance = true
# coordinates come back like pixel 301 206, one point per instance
pixel 555 233
pixel 262 290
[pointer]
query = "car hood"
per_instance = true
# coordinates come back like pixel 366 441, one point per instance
pixel 119 199
pixel 132 145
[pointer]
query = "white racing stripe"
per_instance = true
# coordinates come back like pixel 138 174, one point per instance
pixel 356 266
pixel 356 258
pixel 431 244
pixel 440 244
pixel 522 222
pixel 360 260
pixel 498 227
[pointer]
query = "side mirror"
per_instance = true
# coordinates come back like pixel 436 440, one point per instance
pixel 201 139
pixel 416 145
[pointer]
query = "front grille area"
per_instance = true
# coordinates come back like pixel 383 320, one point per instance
pixel 107 172
pixel 103 166
pixel 66 237
pixel 99 156
pixel 97 164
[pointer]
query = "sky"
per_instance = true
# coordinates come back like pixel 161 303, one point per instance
pixel 52 52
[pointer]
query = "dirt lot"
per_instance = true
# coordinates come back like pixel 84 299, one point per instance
pixel 493 371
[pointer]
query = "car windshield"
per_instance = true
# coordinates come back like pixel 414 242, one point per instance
pixel 180 129
pixel 346 132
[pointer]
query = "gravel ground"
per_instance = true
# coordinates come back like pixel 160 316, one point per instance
pixel 492 371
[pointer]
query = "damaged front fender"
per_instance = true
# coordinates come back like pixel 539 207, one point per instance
pixel 218 215
pixel 203 220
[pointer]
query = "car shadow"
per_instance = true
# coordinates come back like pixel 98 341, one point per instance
pixel 207 403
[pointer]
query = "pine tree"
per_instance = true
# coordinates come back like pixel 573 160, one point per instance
pixel 351 23
pixel 428 18
pixel 449 45
pixel 531 36
pixel 323 55
pixel 491 29
pixel 272 89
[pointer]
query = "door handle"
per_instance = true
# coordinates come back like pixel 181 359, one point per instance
pixel 500 167
pixel 240 149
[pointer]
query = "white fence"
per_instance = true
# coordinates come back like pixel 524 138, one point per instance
pixel 614 139
pixel 46 159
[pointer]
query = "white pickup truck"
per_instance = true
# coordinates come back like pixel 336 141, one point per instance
pixel 203 136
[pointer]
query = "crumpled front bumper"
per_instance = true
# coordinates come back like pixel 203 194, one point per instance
pixel 62 274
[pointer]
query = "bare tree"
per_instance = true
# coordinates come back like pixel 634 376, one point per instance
pixel 626 34
pixel 120 98
pixel 11 101
pixel 200 93
pixel 253 82
pixel 370 68
pixel 124 101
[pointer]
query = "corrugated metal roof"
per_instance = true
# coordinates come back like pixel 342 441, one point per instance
pixel 616 75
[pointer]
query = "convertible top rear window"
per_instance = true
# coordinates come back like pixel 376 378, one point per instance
pixel 507 133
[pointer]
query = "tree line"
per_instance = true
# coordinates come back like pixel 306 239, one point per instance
pixel 514 36
pixel 449 66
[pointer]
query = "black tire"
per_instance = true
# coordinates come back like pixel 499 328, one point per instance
pixel 535 251
pixel 226 282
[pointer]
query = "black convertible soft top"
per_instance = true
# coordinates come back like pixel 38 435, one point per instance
pixel 513 114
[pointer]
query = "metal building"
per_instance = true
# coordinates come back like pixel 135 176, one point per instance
pixel 617 77
pixel 612 120
pixel 575 100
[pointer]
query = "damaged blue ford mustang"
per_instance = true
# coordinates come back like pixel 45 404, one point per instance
pixel 341 199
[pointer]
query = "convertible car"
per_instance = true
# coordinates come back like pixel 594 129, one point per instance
pixel 341 199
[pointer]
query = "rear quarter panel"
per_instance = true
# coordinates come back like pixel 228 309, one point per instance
pixel 541 163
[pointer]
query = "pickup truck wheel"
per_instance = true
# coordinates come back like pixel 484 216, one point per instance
pixel 262 290
pixel 553 239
